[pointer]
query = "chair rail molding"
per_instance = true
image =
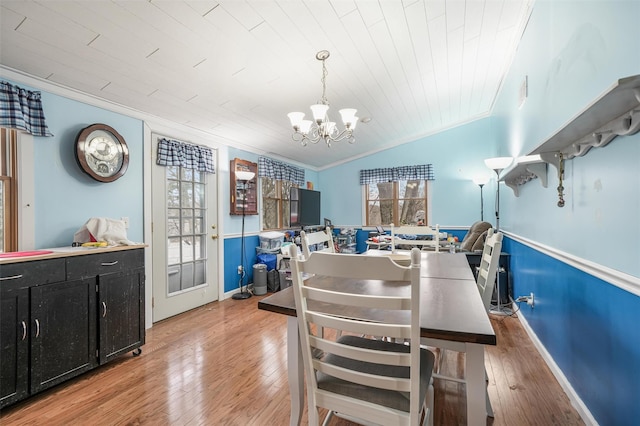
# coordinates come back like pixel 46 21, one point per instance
pixel 614 277
pixel 614 113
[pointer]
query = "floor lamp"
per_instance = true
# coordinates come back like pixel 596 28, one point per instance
pixel 481 181
pixel 498 164
pixel 244 177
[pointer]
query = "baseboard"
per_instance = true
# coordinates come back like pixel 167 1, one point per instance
pixel 575 399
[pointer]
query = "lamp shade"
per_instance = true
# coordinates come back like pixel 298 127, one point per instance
pixel 498 163
pixel 296 118
pixel 319 112
pixel 348 115
pixel 480 180
pixel 243 175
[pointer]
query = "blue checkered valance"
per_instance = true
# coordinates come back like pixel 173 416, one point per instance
pixel 21 109
pixel 174 153
pixel 394 174
pixel 279 170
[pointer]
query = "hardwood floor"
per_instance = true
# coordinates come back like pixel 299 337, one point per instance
pixel 225 364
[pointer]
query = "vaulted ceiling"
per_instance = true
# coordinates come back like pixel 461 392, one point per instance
pixel 234 69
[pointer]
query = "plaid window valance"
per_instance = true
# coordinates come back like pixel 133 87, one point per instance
pixel 279 170
pixel 174 153
pixel 394 174
pixel 22 109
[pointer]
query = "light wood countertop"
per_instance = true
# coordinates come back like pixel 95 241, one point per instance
pixel 58 252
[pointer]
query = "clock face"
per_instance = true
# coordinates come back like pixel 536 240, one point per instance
pixel 102 153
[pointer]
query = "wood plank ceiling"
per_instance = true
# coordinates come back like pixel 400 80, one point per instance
pixel 234 69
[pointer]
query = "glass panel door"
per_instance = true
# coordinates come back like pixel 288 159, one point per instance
pixel 185 239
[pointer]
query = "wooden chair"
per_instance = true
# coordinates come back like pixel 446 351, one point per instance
pixel 321 237
pixel 361 379
pixel 419 231
pixel 486 279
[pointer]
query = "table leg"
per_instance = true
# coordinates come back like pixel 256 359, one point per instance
pixel 296 372
pixel 476 387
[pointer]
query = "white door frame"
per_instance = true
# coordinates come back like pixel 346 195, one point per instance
pixel 160 128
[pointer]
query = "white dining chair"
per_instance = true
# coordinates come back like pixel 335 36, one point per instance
pixel 485 281
pixel 317 241
pixel 358 378
pixel 418 233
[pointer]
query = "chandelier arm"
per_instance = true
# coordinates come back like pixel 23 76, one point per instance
pixel 346 133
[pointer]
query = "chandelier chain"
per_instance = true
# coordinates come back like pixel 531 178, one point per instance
pixel 324 100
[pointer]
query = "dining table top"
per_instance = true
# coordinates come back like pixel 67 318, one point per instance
pixel 451 307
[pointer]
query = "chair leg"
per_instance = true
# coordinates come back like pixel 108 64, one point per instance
pixel 489 407
pixel 327 418
pixel 430 402
pixel 440 362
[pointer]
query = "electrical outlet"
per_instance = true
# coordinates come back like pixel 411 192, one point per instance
pixel 239 269
pixel 531 300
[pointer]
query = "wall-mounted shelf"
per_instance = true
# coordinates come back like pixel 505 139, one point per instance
pixel 526 169
pixel 614 113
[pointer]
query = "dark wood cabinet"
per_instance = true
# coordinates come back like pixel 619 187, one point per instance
pixel 14 344
pixel 63 332
pixel 244 194
pixel 121 313
pixel 62 317
pixel 120 298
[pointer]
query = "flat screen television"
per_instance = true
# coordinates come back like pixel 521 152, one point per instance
pixel 304 207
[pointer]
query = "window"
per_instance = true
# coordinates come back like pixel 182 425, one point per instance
pixel 186 228
pixel 404 202
pixel 8 191
pixel 275 203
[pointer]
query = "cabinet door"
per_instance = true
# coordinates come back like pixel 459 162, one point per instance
pixel 14 344
pixel 63 331
pixel 121 313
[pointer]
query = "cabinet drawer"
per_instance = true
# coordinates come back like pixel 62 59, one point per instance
pixel 29 274
pixel 104 263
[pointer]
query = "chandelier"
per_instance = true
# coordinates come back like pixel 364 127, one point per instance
pixel 321 128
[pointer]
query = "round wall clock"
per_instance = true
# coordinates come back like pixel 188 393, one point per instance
pixel 102 153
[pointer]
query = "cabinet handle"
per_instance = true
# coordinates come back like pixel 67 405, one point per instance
pixel 37 327
pixel 24 330
pixel 14 277
pixel 110 263
pixel 104 309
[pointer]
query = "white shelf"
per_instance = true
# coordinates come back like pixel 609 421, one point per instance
pixel 614 113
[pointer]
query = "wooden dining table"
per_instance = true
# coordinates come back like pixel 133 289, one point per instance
pixel 451 309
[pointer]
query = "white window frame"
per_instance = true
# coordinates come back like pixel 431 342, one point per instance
pixel 365 204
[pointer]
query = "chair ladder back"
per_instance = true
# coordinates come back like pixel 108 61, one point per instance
pixel 434 232
pixel 342 358
pixel 314 238
pixel 488 269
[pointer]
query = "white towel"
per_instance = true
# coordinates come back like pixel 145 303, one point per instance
pixel 112 231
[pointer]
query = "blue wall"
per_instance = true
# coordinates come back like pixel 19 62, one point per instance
pixel 571 59
pixel 588 326
pixel 65 197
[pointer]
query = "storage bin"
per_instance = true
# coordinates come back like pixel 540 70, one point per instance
pixel 285 279
pixel 267 259
pixel 271 240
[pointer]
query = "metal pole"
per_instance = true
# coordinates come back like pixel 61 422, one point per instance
pixel 481 202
